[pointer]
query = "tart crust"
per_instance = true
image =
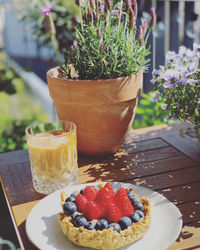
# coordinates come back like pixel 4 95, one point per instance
pixel 107 238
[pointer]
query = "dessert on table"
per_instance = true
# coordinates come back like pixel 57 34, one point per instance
pixel 103 218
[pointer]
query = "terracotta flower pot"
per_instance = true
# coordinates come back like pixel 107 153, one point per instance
pixel 103 110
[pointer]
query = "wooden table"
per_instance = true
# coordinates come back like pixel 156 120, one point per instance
pixel 155 157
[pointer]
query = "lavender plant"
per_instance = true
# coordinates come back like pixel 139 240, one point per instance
pixel 178 83
pixel 106 42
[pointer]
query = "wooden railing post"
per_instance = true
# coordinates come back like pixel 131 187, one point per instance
pixel 174 27
pixel 189 9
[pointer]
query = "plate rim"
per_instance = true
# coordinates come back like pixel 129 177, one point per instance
pixel 78 186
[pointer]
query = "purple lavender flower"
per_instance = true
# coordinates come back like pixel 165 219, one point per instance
pixel 46 10
pixel 144 26
pixel 115 12
pixel 134 6
pixel 90 16
pixel 131 18
pixel 153 18
pixel 128 4
pixel 96 17
pixel 75 43
pixel 102 8
pixel 93 4
pixel 140 35
pixel 107 5
pixel 101 49
pixel 99 33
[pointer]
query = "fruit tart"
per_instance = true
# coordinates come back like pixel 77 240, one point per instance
pixel 101 218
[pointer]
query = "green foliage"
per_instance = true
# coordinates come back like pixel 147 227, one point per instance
pixel 64 13
pixel 107 43
pixel 17 110
pixel 150 112
pixel 116 54
pixel 7 79
pixel 13 137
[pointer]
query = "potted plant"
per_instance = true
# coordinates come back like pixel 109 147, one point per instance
pixel 98 85
pixel 178 84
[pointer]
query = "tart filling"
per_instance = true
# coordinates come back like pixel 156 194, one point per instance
pixel 103 219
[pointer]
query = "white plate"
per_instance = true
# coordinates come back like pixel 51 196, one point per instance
pixel 44 230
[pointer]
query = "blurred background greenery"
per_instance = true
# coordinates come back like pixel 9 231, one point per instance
pixel 17 109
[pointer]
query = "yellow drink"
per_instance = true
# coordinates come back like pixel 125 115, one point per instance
pixel 53 158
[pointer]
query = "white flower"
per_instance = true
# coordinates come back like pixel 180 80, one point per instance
pixel 196 48
pixel 193 65
pixel 170 74
pixel 191 81
pixel 190 54
pixel 182 50
pixel 170 56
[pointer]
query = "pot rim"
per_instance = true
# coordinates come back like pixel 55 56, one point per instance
pixel 49 74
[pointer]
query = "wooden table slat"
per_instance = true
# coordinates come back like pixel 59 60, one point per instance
pixel 182 194
pixel 103 171
pixel 176 178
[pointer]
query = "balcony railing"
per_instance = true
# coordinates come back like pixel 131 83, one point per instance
pixel 178 23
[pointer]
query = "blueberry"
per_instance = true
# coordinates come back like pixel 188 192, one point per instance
pixel 74 215
pixel 115 226
pixel 131 195
pixel 135 217
pixel 90 225
pixel 101 224
pixel 125 222
pixel 81 192
pixel 69 207
pixel 141 214
pixel 138 205
pixel 74 194
pixel 70 198
pixel 80 221
pixel 134 200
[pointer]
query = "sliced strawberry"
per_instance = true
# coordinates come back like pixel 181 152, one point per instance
pixel 106 194
pixel 81 202
pixel 113 213
pixel 90 192
pixel 122 201
pixel 109 187
pixel 93 211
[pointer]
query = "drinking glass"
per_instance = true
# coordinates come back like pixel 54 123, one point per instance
pixel 52 151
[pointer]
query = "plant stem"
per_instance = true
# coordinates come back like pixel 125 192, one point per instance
pixel 120 13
